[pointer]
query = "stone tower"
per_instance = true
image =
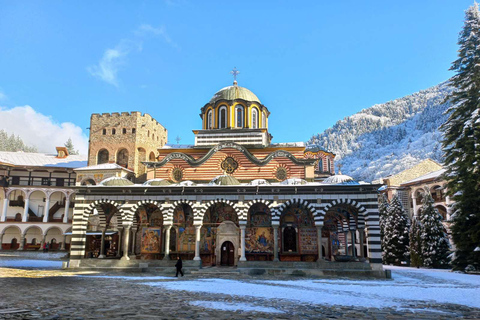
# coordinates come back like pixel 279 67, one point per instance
pixel 126 139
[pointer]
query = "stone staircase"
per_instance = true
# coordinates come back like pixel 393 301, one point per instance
pixel 215 271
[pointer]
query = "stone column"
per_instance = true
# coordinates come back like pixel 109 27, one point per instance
pixel 275 243
pixel 361 240
pixel 319 243
pixel 134 240
pixel 414 205
pixel 1 241
pixel 67 209
pixel 242 243
pixel 25 211
pixel 119 242
pixel 47 208
pixel 126 240
pixel 102 245
pixel 352 232
pixel 5 209
pixel 22 241
pixel 64 243
pixel 197 242
pixel 167 243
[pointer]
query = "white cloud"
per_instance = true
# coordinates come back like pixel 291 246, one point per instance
pixel 112 60
pixel 160 31
pixel 36 129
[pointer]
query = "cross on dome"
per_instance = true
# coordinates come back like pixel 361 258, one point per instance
pixel 235 73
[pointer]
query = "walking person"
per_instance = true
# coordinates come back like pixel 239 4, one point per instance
pixel 178 265
pixel 44 247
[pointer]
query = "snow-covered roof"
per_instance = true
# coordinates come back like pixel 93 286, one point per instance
pixel 340 179
pixel 103 166
pixel 186 183
pixel 428 176
pixel 157 182
pixel 42 160
pixel 288 144
pixel 116 181
pixel 258 182
pixel 178 146
pixel 293 181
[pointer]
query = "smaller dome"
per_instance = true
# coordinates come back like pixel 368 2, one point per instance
pixel 157 182
pixel 224 180
pixel 234 92
pixel 259 182
pixel 293 181
pixel 116 181
pixel 340 179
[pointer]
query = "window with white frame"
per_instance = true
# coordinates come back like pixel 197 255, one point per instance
pixel 209 119
pixel 222 121
pixel 239 115
pixel 254 118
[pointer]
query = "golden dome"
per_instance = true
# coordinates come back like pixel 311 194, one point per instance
pixel 234 92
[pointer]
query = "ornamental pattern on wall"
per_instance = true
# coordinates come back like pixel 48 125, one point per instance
pixel 229 165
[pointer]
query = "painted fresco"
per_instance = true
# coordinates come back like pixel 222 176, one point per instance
pixel 308 240
pixel 259 216
pixel 142 214
pixel 207 239
pixel 183 216
pixel 151 240
pixel 219 213
pixel 297 217
pixel 186 239
pixel 156 219
pixel 259 240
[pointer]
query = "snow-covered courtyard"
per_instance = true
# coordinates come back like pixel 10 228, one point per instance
pixel 412 293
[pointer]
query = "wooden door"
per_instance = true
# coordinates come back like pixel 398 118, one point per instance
pixel 227 254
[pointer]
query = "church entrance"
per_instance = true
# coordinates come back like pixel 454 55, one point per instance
pixel 228 254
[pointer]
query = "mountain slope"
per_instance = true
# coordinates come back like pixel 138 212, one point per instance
pixel 390 137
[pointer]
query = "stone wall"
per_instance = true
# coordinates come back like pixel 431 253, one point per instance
pixel 140 135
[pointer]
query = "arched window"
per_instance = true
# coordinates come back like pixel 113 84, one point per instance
pixel 114 131
pixel 152 156
pixel 124 131
pixel 222 121
pixel 329 164
pixel 102 156
pixel 254 118
pixel 264 120
pixel 239 115
pixel 320 165
pixel 209 119
pixel 122 158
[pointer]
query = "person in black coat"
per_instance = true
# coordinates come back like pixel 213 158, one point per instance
pixel 178 265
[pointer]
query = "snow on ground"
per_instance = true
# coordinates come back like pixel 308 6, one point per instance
pixel 40 255
pixel 230 306
pixel 25 263
pixel 130 277
pixel 409 286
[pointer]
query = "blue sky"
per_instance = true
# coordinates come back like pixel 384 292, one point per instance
pixel 311 63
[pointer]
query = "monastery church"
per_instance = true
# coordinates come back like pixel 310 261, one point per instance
pixel 234 198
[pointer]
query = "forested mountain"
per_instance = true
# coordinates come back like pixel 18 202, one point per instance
pixel 389 137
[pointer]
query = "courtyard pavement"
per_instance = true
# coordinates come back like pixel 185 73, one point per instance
pixel 33 286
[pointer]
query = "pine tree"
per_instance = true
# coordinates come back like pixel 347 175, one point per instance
pixel 13 143
pixel 396 238
pixel 461 144
pixel 435 246
pixel 382 210
pixel 415 243
pixel 70 147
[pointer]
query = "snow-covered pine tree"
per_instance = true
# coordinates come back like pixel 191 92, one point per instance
pixel 461 144
pixel 13 143
pixel 396 238
pixel 382 210
pixel 415 243
pixel 70 147
pixel 435 246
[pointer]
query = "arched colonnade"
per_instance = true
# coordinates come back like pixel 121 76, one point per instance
pixel 294 230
